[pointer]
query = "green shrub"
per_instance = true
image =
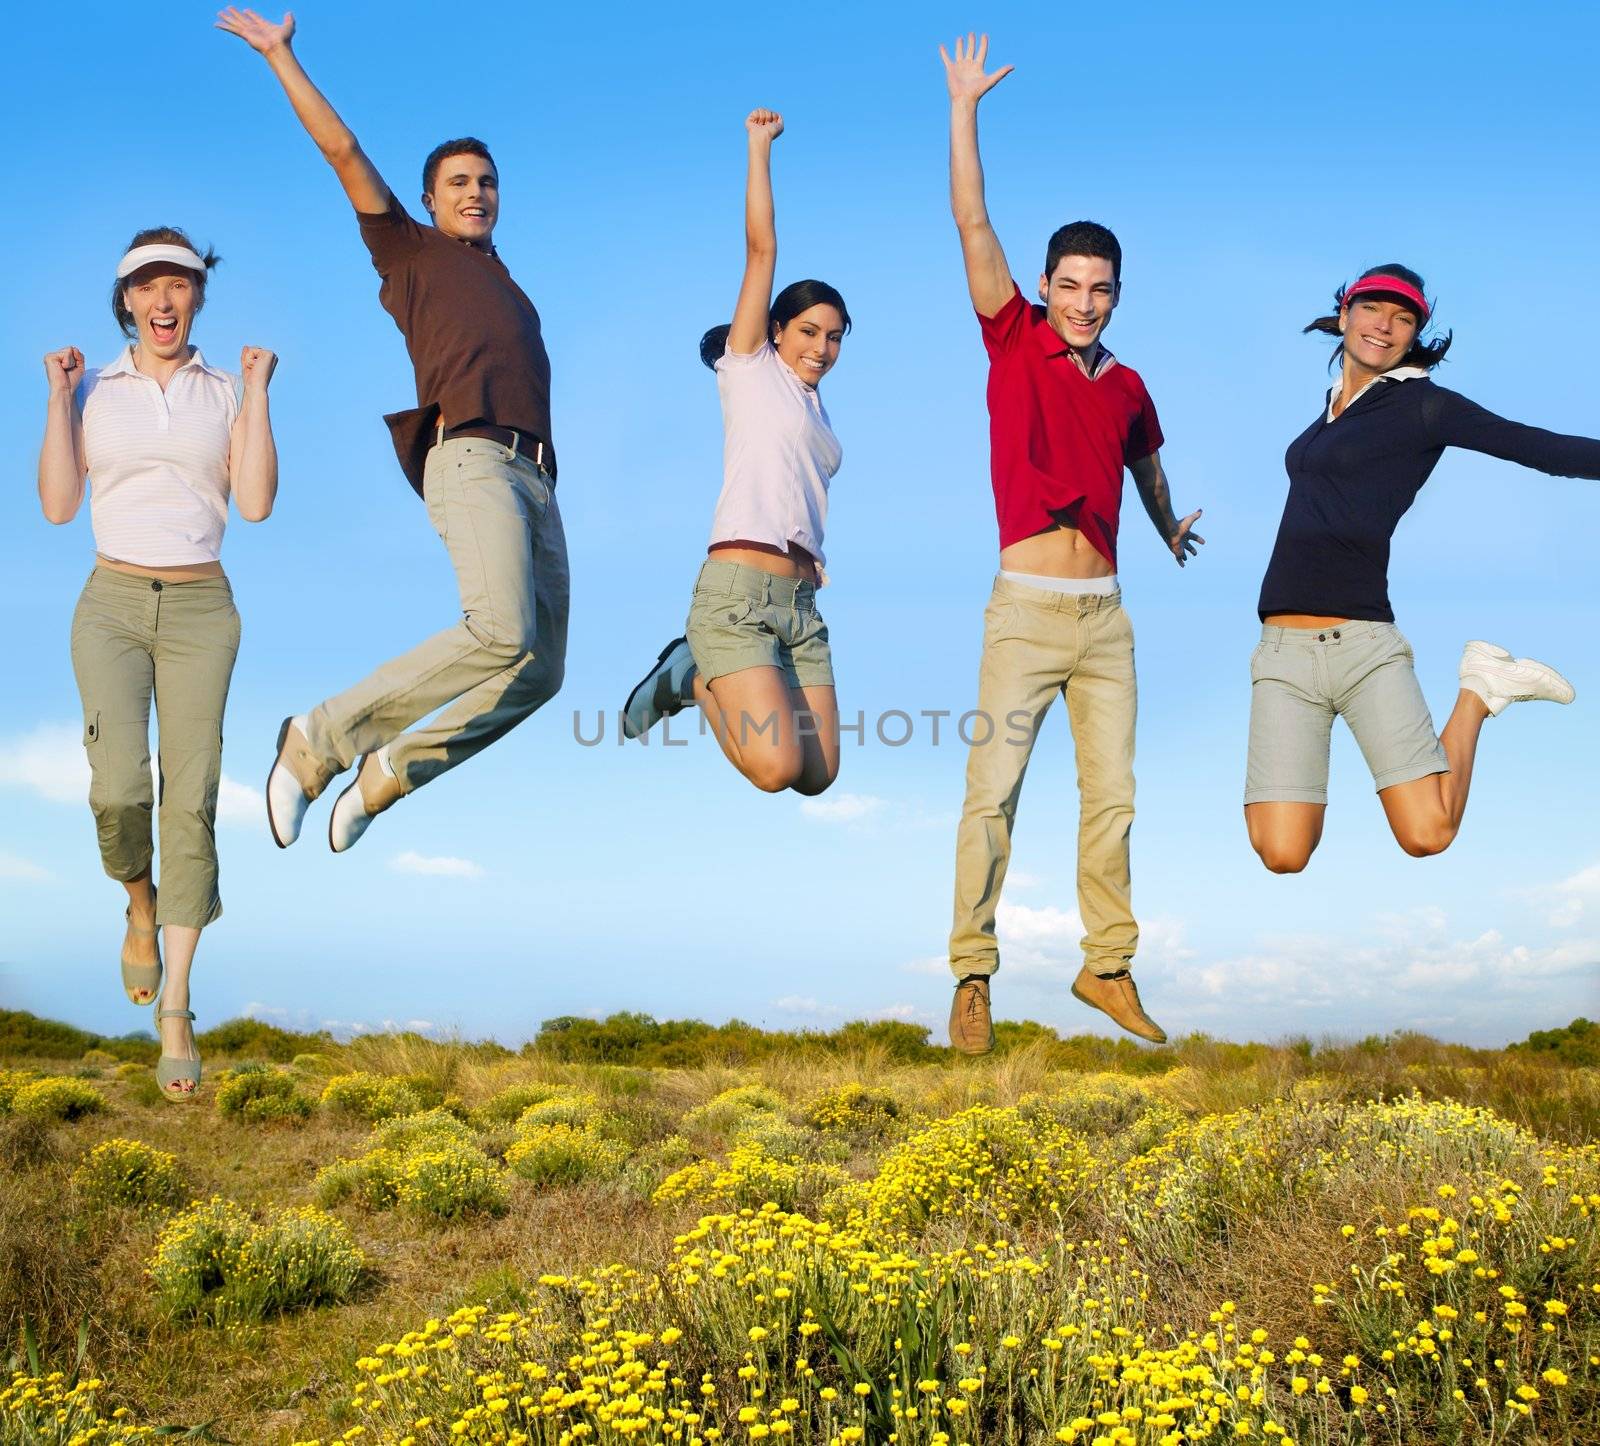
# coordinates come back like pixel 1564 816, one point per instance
pixel 98 1059
pixel 214 1262
pixel 128 1069
pixel 723 1112
pixel 575 1109
pixel 255 1092
pixel 128 1172
pixel 373 1096
pixel 12 1080
pixel 853 1109
pixel 57 1098
pixel 562 1154
pixel 428 1165
pixel 504 1106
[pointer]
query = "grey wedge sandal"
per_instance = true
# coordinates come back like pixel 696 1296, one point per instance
pixel 140 976
pixel 170 1071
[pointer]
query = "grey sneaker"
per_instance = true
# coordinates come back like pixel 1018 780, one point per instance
pixel 1501 679
pixel 662 691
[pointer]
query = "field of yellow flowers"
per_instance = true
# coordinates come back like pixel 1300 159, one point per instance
pixel 397 1241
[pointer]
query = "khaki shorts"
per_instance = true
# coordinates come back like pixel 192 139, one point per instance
pixel 742 617
pixel 1303 678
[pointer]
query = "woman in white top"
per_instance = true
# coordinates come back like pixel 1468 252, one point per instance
pixel 163 439
pixel 756 654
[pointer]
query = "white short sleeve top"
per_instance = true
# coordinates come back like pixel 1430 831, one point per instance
pixel 779 454
pixel 158 460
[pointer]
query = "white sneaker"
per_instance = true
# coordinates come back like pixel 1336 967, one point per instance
pixel 297 778
pixel 661 692
pixel 1501 679
pixel 374 789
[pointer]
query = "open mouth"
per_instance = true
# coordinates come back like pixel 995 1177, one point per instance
pixel 474 213
pixel 164 328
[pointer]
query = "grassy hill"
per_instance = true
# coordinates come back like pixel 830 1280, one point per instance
pixel 670 1231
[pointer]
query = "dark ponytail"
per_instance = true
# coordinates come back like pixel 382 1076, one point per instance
pixel 1422 353
pixel 795 298
pixel 160 236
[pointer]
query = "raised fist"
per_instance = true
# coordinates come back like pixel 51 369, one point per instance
pixel 64 369
pixel 256 365
pixel 762 122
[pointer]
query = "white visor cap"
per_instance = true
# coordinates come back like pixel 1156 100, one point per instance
pixel 146 255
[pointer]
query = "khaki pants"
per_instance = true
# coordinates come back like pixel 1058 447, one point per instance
pixel 495 513
pixel 1036 644
pixel 134 640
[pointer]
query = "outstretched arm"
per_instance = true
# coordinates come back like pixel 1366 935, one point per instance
pixel 61 464
pixel 1151 481
pixel 252 454
pixel 988 276
pixel 749 327
pixel 359 177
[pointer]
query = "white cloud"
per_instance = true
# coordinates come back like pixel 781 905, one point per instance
pixel 1571 898
pixel 14 870
pixel 442 866
pixel 842 808
pixel 807 1005
pixel 1022 879
pixel 49 761
pixel 303 1021
pixel 240 804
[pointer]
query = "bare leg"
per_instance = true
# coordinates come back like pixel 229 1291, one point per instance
pixel 140 948
pixel 753 716
pixel 1425 814
pixel 817 711
pixel 1285 835
pixel 177 1035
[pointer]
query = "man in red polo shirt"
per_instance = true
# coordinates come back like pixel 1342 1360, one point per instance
pixel 1065 420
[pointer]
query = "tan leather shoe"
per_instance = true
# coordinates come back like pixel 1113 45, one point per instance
pixel 297 778
pixel 971 1028
pixel 1117 995
pixel 372 792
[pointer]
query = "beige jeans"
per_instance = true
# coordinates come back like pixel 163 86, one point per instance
pixel 1037 644
pixel 495 513
pixel 135 640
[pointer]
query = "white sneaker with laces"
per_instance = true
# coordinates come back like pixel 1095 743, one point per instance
pixel 1501 679
pixel 661 692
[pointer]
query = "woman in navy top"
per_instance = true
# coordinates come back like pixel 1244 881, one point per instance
pixel 1329 646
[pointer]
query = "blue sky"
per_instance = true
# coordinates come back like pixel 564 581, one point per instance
pixel 1249 160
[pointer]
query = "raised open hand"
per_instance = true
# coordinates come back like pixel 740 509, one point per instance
pixel 256 31
pixel 256 365
pixel 964 75
pixel 1184 542
pixel 64 368
pixel 765 123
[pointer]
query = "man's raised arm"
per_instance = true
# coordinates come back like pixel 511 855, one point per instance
pixel 988 276
pixel 337 142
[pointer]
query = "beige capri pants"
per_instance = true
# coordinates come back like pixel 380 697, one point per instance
pixel 136 641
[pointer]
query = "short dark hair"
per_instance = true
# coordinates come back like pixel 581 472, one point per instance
pixel 159 236
pixel 463 146
pixel 796 297
pixel 1084 238
pixel 1422 353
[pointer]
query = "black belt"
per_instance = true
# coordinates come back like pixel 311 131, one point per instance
pixel 525 444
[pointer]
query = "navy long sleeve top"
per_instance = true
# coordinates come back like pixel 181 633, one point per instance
pixel 1352 479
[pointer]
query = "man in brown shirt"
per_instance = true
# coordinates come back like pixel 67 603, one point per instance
pixel 476 447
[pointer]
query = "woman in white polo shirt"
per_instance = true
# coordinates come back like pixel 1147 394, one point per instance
pixel 163 439
pixel 756 654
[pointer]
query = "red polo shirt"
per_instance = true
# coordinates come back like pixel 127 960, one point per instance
pixel 1058 440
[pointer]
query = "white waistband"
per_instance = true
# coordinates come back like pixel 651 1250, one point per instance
pixel 1085 586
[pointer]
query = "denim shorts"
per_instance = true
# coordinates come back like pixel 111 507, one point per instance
pixel 1302 678
pixel 743 617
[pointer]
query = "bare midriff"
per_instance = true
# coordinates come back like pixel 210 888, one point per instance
pixel 796 562
pixel 1302 620
pixel 1060 552
pixel 189 572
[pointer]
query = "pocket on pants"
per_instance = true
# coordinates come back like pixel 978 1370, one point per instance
pixel 92 746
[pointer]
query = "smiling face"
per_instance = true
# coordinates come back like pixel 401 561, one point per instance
pixel 1378 333
pixel 1079 297
pixel 465 200
pixel 162 300
pixel 809 343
